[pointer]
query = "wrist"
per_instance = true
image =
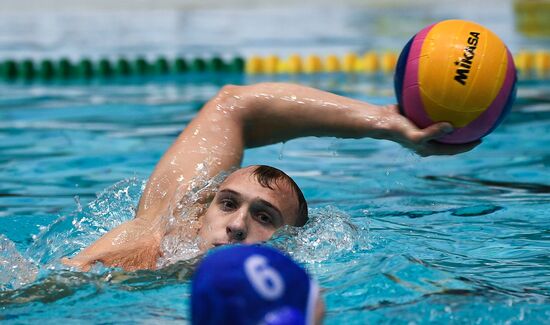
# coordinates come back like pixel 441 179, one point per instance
pixel 377 122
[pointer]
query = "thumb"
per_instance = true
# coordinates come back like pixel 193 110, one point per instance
pixel 436 131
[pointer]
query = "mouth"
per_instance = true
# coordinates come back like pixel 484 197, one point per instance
pixel 219 244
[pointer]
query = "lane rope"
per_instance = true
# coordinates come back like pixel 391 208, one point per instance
pixel 531 65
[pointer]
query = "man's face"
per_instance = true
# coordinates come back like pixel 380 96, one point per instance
pixel 243 211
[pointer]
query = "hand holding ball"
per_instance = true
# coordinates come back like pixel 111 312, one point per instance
pixel 459 72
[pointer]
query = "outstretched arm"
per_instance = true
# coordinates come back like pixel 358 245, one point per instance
pixel 240 117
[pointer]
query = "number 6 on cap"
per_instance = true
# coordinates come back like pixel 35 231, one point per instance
pixel 265 279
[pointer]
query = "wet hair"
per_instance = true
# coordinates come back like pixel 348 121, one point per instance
pixel 268 177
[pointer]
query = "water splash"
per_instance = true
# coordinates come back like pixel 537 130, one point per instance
pixel 328 233
pixel 15 270
pixel 70 234
pixel 116 204
pixel 181 242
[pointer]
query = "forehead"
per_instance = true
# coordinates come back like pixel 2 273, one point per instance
pixel 282 195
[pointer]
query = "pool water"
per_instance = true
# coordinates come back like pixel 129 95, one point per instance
pixel 394 238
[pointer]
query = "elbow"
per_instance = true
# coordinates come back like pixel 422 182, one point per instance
pixel 230 93
pixel 233 101
pixel 245 97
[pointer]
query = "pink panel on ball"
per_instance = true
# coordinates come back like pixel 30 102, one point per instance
pixel 412 103
pixel 490 116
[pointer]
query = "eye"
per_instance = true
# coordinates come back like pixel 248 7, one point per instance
pixel 264 218
pixel 228 204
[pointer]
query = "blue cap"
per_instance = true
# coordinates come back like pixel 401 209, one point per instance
pixel 251 284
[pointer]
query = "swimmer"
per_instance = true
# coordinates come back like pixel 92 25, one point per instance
pixel 252 284
pixel 252 202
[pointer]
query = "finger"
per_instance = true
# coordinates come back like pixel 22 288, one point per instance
pixel 70 262
pixel 83 266
pixel 436 131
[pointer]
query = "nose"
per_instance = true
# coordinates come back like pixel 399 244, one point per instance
pixel 237 229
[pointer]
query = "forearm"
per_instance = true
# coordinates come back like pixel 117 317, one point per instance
pixel 273 112
pixel 132 245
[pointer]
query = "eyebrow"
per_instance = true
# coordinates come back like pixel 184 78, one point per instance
pixel 262 201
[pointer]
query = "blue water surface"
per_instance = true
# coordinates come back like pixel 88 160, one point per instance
pixel 394 238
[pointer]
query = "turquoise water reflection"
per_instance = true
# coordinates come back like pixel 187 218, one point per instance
pixel 460 239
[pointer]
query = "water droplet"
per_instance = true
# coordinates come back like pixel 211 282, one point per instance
pixel 281 151
pixel 78 204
